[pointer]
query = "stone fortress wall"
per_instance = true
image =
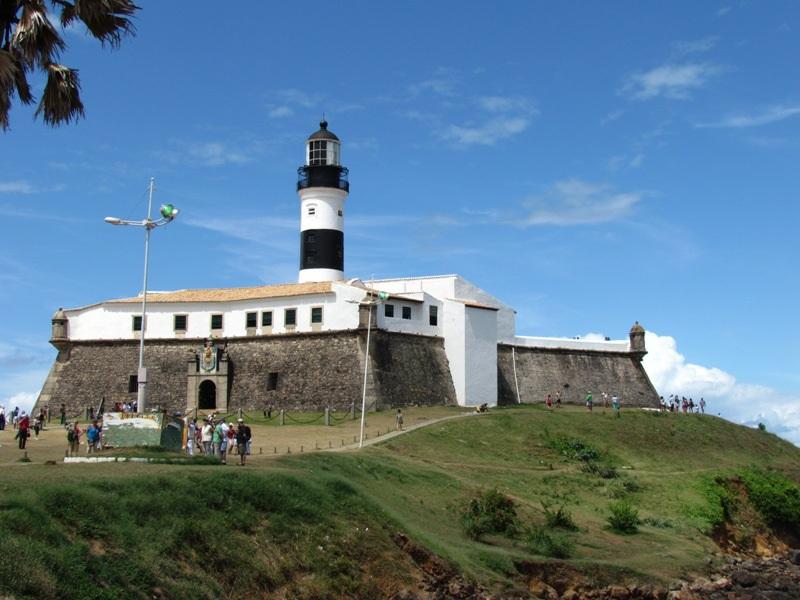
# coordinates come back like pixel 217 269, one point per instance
pixel 542 371
pixel 314 370
pixel 327 369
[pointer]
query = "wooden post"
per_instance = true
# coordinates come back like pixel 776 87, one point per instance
pixel 327 416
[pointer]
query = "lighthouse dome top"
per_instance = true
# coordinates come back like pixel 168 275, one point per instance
pixel 323 133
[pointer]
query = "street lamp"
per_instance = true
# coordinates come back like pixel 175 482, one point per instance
pixel 168 212
pixel 382 296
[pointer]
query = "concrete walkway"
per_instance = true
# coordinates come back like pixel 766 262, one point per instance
pixel 392 434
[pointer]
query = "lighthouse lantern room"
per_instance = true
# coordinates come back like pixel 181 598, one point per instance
pixel 323 187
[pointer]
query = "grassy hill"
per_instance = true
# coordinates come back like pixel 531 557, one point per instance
pixel 328 524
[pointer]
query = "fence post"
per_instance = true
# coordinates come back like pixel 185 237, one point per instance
pixel 241 413
pixel 327 416
pixel 283 417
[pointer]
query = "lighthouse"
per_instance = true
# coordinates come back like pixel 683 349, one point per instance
pixel 323 187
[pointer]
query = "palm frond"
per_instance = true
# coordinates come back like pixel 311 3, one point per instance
pixel 61 100
pixel 106 20
pixel 35 38
pixel 12 77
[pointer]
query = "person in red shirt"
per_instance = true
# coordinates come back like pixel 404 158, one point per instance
pixel 22 431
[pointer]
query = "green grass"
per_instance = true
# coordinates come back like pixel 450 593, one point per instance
pixel 125 530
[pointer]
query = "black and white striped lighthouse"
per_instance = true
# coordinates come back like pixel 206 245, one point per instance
pixel 323 187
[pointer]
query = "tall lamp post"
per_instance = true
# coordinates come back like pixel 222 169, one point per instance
pixel 168 212
pixel 369 303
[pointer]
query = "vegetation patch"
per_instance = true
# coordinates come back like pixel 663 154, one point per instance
pixel 623 517
pixel 775 497
pixel 489 512
pixel 548 542
pixel 573 448
pixel 560 518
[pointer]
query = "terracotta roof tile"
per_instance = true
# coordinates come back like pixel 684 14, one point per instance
pixel 230 294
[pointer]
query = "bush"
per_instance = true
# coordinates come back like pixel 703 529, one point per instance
pixel 601 470
pixel 559 518
pixel 775 497
pixel 659 522
pixel 619 488
pixel 489 512
pixel 549 543
pixel 624 518
pixel 573 448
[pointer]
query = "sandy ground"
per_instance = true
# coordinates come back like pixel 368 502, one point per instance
pixel 269 440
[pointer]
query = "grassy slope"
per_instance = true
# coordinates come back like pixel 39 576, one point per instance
pixel 299 525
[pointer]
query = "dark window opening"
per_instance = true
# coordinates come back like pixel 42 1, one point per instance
pixel 388 310
pixel 340 213
pixel 251 320
pixel 406 312
pixel 216 321
pixel 137 322
pixel 133 384
pixel 290 316
pixel 179 323
pixel 266 319
pixel 272 382
pixel 433 315
pixel 312 210
pixel 316 314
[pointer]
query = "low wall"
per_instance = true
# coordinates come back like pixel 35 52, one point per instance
pixel 542 371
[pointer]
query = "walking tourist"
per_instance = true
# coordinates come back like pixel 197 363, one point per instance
pixel 207 437
pixel 22 430
pixel 615 405
pixel 589 401
pixel 243 436
pixel 398 420
pixel 549 401
pixel 702 406
pixel 558 399
pixel 191 430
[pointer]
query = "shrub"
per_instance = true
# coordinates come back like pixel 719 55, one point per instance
pixel 659 522
pixel 775 497
pixel 489 512
pixel 624 518
pixel 619 488
pixel 545 542
pixel 559 518
pixel 601 470
pixel 573 448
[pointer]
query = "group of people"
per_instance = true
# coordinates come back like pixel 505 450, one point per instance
pixel 23 424
pixel 217 438
pixel 682 404
pixel 613 399
pixel 93 434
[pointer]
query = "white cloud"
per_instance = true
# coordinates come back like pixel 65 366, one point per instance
pixel 683 48
pixel 744 403
pixel 576 202
pixel 670 81
pixel 206 154
pixel 16 187
pixel 611 117
pixel 487 133
pixel 769 115
pixel 278 112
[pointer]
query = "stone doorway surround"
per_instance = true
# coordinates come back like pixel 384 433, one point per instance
pixel 200 372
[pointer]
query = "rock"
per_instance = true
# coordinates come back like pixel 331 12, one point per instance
pixel 617 592
pixel 794 556
pixel 542 590
pixel 570 594
pixel 744 578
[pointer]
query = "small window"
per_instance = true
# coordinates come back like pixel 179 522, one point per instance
pixel 266 318
pixel 272 382
pixel 312 210
pixel 290 317
pixel 133 384
pixel 433 315
pixel 179 322
pixel 340 212
pixel 251 320
pixel 216 321
pixel 137 323
pixel 388 310
pixel 316 314
pixel 406 312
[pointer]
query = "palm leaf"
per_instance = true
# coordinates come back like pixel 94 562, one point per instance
pixel 106 20
pixel 12 77
pixel 35 38
pixel 61 101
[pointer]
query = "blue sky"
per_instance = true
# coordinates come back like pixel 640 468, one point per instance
pixel 590 164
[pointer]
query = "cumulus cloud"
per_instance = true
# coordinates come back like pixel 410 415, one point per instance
pixel 499 117
pixel 576 202
pixel 744 403
pixel 676 81
pixel 208 154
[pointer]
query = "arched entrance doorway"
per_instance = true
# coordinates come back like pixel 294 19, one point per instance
pixel 207 395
